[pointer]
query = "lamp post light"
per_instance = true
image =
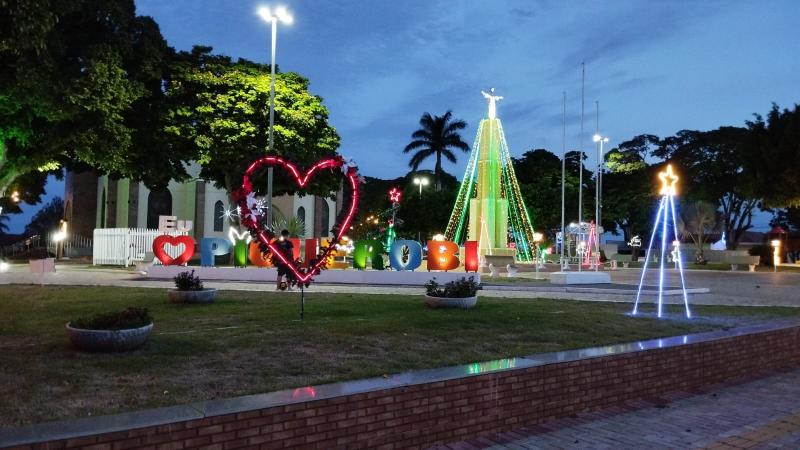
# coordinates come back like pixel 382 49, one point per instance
pixel 776 254
pixel 420 181
pixel 537 238
pixel 284 16
pixel 598 188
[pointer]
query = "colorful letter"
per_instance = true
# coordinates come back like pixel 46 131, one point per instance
pixel 211 247
pixel 369 248
pixel 257 258
pixel 311 251
pixel 411 260
pixel 471 256
pixel 442 255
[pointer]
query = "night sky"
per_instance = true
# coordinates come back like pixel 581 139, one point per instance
pixel 655 67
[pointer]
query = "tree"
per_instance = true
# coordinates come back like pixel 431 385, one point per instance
pixel 628 190
pixel 77 83
pixel 774 157
pixel 716 163
pixel 436 135
pixel 47 219
pixel 539 176
pixel 219 114
pixel 698 219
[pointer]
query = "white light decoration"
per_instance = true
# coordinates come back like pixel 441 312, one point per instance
pixel 3 266
pixel 234 235
pixel 666 209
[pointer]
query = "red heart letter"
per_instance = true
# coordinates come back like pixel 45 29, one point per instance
pixel 161 241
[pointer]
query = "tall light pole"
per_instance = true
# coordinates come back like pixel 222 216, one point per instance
pixel 282 15
pixel 420 181
pixel 598 201
pixel 562 263
pixel 580 162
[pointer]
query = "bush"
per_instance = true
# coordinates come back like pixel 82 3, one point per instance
pixel 123 320
pixel 455 289
pixel 187 281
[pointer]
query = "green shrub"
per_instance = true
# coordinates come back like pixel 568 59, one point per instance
pixel 123 320
pixel 187 281
pixel 455 289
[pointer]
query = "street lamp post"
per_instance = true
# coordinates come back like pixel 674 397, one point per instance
pixel 420 181
pixel 598 201
pixel 282 15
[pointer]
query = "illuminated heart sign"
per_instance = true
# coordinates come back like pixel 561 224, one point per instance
pixel 161 241
pixel 252 218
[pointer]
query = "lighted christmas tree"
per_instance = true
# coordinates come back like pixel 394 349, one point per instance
pixel 489 207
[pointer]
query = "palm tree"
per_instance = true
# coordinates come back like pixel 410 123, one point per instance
pixel 436 136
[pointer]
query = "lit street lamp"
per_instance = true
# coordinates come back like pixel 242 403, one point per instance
pixel 282 15
pixel 598 188
pixel 420 181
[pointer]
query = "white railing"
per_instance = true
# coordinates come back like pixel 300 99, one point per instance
pixel 123 246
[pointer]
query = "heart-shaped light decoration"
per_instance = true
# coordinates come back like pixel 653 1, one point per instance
pixel 250 214
pixel 160 252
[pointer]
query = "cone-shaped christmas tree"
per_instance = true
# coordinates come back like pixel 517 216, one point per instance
pixel 489 207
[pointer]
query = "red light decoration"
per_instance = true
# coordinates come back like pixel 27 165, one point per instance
pixel 471 256
pixel 395 195
pixel 250 218
pixel 188 251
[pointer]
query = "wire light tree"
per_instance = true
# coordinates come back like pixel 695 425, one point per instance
pixel 666 212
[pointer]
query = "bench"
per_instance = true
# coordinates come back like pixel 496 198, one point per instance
pixel 736 260
pixel 617 258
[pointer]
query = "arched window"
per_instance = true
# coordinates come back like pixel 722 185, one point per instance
pixel 301 214
pixel 324 219
pixel 219 215
pixel 159 203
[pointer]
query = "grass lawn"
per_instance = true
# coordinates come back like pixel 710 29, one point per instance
pixel 250 342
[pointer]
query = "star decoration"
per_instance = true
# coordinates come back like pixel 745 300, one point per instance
pixel 668 181
pixel 394 195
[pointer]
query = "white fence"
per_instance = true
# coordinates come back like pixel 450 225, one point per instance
pixel 123 246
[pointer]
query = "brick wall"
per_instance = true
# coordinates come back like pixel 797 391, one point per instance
pixel 445 411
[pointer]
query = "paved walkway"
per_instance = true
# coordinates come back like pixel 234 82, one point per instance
pixel 761 414
pixel 726 288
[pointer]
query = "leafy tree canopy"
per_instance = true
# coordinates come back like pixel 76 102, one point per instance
pixel 219 116
pixel 80 82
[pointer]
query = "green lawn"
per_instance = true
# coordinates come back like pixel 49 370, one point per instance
pixel 252 342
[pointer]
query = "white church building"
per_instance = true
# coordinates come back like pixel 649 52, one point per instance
pixel 95 201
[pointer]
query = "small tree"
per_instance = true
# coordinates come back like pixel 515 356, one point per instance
pixel 698 220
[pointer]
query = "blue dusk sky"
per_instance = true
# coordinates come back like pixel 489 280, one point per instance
pixel 655 67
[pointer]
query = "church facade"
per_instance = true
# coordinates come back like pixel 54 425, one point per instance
pixel 94 200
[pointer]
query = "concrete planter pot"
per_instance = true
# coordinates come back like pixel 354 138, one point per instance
pixel 446 302
pixel 204 296
pixel 108 340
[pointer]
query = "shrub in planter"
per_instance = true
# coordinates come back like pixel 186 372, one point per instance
pixel 111 332
pixel 189 289
pixel 455 294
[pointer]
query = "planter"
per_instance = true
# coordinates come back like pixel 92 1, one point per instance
pixel 446 302
pixel 108 340
pixel 203 296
